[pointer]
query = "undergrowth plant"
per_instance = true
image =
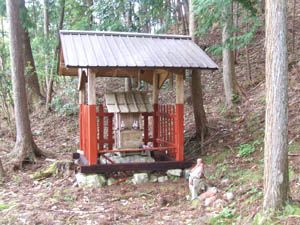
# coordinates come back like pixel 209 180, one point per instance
pixel 247 149
pixel 66 103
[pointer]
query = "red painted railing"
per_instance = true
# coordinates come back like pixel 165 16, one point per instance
pixel 105 129
pixel 96 131
pixel 164 133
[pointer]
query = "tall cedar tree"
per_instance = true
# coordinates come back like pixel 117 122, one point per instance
pixel 25 148
pixel 228 64
pixel 197 97
pixel 33 87
pixel 276 180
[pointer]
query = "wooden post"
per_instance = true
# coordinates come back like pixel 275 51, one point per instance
pixel 139 78
pixel 171 80
pixel 179 128
pixel 155 91
pixel 92 124
pixel 81 103
pixel 91 87
pixel 155 122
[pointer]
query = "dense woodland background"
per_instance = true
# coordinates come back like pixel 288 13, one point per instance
pixel 232 147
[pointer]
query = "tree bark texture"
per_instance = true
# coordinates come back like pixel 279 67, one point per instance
pixel 196 87
pixel 46 36
pixel 197 99
pixel 228 65
pixel 2 171
pixel 235 14
pixel 34 91
pixel 25 148
pixel 276 180
pixel 33 86
pixel 186 15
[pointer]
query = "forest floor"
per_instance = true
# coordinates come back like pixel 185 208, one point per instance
pixel 232 152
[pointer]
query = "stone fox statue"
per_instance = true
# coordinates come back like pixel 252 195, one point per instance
pixel 196 179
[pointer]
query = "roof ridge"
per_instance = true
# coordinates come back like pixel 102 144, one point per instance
pixel 127 34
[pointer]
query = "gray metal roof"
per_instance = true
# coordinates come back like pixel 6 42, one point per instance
pixel 131 50
pixel 128 102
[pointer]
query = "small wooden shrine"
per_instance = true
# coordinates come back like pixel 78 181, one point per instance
pixel 149 58
pixel 128 108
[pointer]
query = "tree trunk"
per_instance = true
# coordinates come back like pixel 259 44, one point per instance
pixel 248 55
pixel 186 13
pixel 46 19
pixel 228 65
pixel 263 6
pixel 294 28
pixel 34 91
pixel 2 171
pixel 235 14
pixel 197 98
pixel 91 19
pixel 51 81
pixel 46 36
pixel 34 15
pixel 276 180
pixel 33 86
pixel 25 149
pixel 196 88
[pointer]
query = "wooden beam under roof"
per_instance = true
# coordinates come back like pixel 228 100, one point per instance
pixel 144 74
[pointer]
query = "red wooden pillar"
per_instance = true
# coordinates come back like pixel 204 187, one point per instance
pixel 92 123
pixel 179 121
pixel 92 135
pixel 179 132
pixel 84 129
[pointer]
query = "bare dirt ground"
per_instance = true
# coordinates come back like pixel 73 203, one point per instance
pixel 56 200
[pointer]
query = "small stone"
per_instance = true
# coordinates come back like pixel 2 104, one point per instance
pixel 111 181
pixel 140 178
pixel 162 179
pixel 186 173
pixel 153 179
pixel 210 200
pixel 37 132
pixel 229 196
pixel 175 172
pixel 212 189
pixel 219 203
pixel 94 180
